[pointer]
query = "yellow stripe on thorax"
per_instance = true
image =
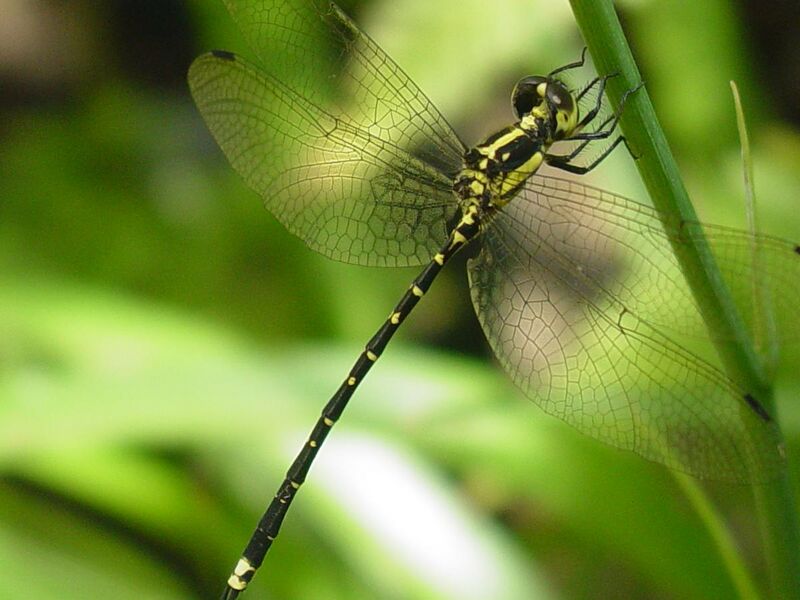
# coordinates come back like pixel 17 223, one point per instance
pixel 513 179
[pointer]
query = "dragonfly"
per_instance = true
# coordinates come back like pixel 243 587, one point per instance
pixel 351 156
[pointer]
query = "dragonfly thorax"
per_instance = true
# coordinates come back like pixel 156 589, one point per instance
pixel 494 170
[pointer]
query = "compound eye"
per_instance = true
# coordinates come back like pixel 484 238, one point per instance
pixel 528 94
pixel 559 98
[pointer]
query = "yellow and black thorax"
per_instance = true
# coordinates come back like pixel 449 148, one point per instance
pixel 494 170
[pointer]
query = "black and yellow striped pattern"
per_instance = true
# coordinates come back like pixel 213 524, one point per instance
pixel 270 524
pixel 388 182
pixel 492 173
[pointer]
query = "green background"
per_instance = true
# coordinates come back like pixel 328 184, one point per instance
pixel 165 345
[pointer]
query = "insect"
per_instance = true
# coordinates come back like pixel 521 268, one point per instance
pixel 350 155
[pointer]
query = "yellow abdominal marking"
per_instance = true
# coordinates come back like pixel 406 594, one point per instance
pixel 458 238
pixel 243 567
pixel 236 581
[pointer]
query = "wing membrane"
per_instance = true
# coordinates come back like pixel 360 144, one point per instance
pixel 350 195
pixel 584 357
pixel 623 247
pixel 353 78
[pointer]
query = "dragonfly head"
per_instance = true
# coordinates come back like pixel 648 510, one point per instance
pixel 539 99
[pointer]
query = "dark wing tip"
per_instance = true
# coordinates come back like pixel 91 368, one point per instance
pixel 757 407
pixel 199 69
pixel 223 54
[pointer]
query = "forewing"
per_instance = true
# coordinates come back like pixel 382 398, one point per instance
pixel 322 54
pixel 584 356
pixel 350 195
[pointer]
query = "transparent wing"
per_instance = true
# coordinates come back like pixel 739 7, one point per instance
pixel 345 150
pixel 317 50
pixel 542 291
pixel 349 195
pixel 623 247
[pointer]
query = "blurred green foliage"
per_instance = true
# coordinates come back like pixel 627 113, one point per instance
pixel 165 345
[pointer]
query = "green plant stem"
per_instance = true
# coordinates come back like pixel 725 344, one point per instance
pixel 611 54
pixel 721 535
pixel 764 333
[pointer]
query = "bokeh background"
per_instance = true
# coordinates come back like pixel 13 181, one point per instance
pixel 165 345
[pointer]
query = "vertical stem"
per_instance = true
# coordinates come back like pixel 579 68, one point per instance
pixel 765 335
pixel 722 537
pixel 611 53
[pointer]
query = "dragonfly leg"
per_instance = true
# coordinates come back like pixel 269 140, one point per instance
pixel 559 162
pixel 582 146
pixel 589 117
pixel 573 65
pixel 564 161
